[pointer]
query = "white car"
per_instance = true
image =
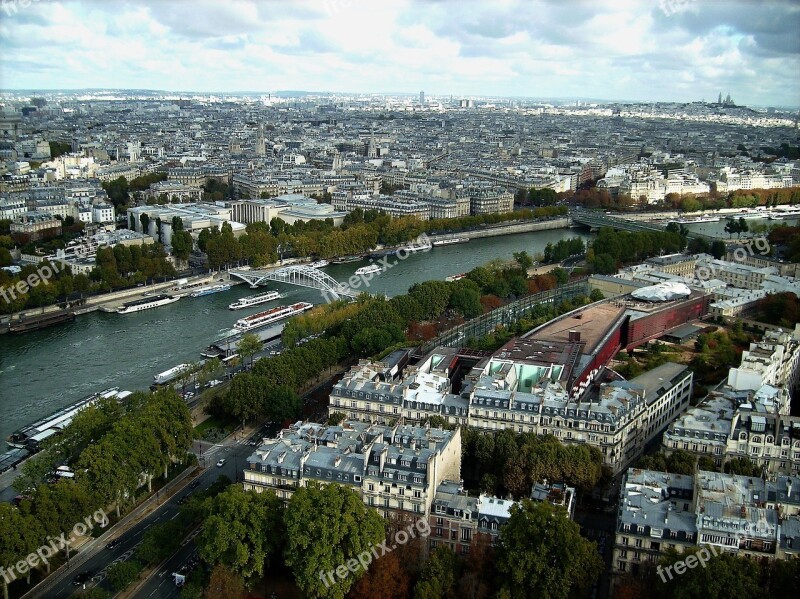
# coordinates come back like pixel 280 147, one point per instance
pixel 221 463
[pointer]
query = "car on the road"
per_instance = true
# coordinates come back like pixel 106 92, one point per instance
pixel 195 483
pixel 221 463
pixel 113 544
pixel 81 578
pixel 183 499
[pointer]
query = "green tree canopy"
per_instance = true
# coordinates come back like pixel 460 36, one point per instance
pixel 327 526
pixel 540 553
pixel 243 531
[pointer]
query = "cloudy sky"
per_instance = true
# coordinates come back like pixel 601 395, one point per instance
pixel 646 50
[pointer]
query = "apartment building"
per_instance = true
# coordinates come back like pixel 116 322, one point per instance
pixel 674 264
pixel 524 396
pixel 750 415
pixel 458 520
pixel 742 515
pixel 655 514
pixel 490 201
pixel 172 192
pixel 775 360
pixel 734 273
pixel 33 226
pixel 395 469
pixel 397 206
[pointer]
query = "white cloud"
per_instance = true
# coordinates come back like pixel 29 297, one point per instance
pixel 560 48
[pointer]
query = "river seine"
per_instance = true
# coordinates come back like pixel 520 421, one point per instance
pixel 45 370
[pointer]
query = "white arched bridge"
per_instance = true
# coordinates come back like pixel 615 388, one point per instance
pixel 300 275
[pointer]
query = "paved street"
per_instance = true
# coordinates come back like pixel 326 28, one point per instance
pixel 161 585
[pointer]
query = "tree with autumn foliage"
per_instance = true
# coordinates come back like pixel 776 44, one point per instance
pixel 224 584
pixel 385 578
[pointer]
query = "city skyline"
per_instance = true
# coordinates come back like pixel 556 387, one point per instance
pixel 672 50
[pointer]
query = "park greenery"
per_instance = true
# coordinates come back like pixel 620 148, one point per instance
pixel 115 449
pixel 509 463
pixel 115 268
pixel 246 534
pixel 361 232
pixel 613 249
pixel 780 309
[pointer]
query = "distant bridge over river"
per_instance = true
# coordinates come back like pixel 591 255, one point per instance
pixel 596 220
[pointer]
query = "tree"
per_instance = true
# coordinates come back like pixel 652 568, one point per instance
pixel 19 536
pixel 438 580
pixel 5 257
pixel 336 418
pixel 466 299
pixel 326 526
pixel 386 578
pixel 718 248
pixel 282 403
pixel 225 584
pixel 540 553
pixel 122 574
pixel 742 466
pixel 722 576
pixel 160 541
pixel 596 295
pixel 248 346
pixel 243 531
pixel 523 259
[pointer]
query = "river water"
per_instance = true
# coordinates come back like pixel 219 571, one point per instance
pixel 48 369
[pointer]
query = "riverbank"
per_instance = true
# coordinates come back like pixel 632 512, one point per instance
pixel 115 299
pixel 509 229
pixel 111 301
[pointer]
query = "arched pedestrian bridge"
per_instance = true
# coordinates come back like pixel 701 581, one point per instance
pixel 300 275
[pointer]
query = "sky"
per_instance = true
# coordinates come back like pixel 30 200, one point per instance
pixel 641 50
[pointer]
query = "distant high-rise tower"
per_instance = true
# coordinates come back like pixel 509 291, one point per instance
pixel 422 97
pixel 261 148
pixel 372 150
pixel 719 100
